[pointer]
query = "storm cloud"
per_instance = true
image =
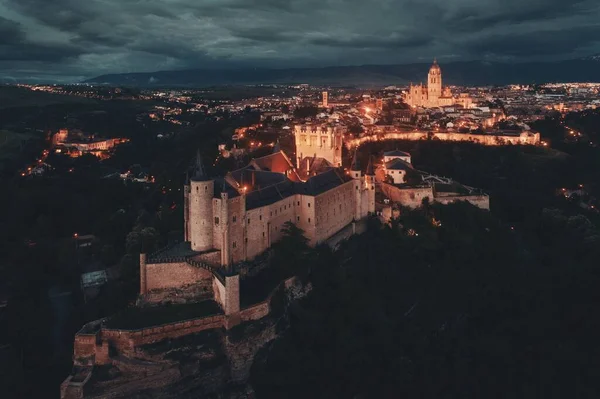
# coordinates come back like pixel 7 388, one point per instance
pixel 74 39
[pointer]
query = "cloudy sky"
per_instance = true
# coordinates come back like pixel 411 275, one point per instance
pixel 76 39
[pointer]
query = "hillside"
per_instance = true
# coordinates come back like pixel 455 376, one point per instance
pixel 458 73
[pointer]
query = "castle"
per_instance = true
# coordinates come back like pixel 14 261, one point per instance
pixel 236 217
pixel 434 94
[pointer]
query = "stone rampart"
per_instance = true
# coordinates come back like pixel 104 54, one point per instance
pixel 411 197
pixel 173 275
pixel 127 340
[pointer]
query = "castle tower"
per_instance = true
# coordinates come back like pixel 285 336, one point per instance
pixel 325 99
pixel 323 141
pixel 200 220
pixel 434 83
pixel 186 208
pixel 356 174
pixel 224 225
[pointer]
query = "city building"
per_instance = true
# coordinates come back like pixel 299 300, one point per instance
pixel 434 94
pixel 325 99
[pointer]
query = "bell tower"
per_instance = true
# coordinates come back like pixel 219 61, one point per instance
pixel 434 83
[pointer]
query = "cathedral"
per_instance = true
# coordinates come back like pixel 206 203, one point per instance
pixel 434 94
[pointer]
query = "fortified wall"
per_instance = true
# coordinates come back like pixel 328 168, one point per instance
pixel 412 197
pixel 496 139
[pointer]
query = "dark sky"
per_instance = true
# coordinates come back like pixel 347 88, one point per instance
pixel 76 39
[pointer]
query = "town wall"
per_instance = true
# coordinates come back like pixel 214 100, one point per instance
pixel 526 138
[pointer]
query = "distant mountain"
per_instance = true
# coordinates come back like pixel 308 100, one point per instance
pixel 459 73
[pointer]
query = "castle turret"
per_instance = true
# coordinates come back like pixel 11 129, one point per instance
pixel 356 174
pixel 186 208
pixel 370 186
pixel 225 253
pixel 355 171
pixel 201 191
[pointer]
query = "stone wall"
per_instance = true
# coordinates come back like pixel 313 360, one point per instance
pixel 84 345
pixel 529 138
pixel 127 340
pixel 410 197
pixel 480 201
pixel 255 312
pixel 173 275
pixel 413 197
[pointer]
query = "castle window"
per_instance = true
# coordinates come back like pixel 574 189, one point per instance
pixel 217 220
pixel 263 234
pixel 205 188
pixel 259 217
pixel 234 218
pixel 298 203
pixel 271 213
pixel 248 220
pixel 246 240
pixel 196 188
pixel 234 244
pixel 298 218
pixel 308 220
pixel 309 204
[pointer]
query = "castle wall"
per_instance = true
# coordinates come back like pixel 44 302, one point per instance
pixel 127 340
pixel 306 217
pixel 334 210
pixel 173 275
pixel 410 197
pixel 255 312
pixel 217 204
pixel 480 201
pixel 228 295
pixel 84 345
pixel 484 139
